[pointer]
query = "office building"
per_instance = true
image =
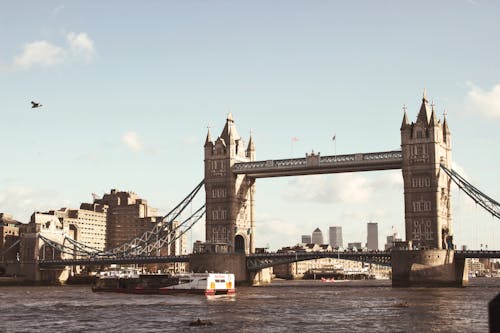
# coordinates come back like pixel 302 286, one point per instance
pixel 372 236
pixel 335 234
pixel 317 237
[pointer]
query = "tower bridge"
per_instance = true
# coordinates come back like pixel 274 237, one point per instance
pixel 230 176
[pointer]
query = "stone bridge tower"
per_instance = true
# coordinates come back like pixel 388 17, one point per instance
pixel 425 145
pixel 229 197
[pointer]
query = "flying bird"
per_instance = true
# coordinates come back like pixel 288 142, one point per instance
pixel 35 105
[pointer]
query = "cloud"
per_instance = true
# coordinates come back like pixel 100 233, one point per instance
pixel 80 47
pixel 485 103
pixel 348 188
pixel 132 141
pixel 21 201
pixel 267 230
pixel 39 53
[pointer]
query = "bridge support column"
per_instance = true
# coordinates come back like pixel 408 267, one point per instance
pixel 261 277
pixel 428 268
pixel 221 262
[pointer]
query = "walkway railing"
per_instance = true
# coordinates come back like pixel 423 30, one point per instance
pixel 314 163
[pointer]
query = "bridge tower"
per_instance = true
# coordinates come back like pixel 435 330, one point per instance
pixel 229 197
pixel 425 145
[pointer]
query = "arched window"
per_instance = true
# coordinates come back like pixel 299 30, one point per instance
pixel 239 244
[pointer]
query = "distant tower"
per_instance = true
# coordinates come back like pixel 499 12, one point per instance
pixel 372 236
pixel 306 239
pixel 317 237
pixel 425 145
pixel 335 234
pixel 229 197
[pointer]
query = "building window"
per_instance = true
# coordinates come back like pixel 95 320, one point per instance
pixel 421 206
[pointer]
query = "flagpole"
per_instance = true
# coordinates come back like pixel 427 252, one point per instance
pixel 334 138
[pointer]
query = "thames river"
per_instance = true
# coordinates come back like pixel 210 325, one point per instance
pixel 284 306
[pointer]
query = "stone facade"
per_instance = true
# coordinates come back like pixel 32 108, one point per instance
pixel 229 197
pixel 127 216
pixel 87 224
pixel 9 235
pixel 425 145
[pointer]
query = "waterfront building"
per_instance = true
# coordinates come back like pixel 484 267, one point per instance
pixel 127 216
pixel 297 270
pixel 335 234
pixel 306 239
pixel 317 237
pixel 45 225
pixel 354 246
pixel 372 236
pixel 9 235
pixel 87 225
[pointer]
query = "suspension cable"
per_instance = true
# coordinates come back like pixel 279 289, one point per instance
pixel 479 197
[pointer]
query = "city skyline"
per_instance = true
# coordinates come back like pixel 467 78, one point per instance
pixel 127 106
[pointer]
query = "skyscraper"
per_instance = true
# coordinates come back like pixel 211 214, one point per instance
pixel 336 237
pixel 372 236
pixel 317 237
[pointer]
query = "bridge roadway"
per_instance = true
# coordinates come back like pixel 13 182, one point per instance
pixel 259 261
pixel 315 164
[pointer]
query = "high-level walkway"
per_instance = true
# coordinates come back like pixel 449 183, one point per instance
pixel 316 164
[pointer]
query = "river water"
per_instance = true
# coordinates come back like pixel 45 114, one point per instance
pixel 284 306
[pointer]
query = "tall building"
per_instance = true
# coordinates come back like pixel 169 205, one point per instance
pixel 127 216
pixel 229 218
pixel 335 234
pixel 317 237
pixel 306 239
pixel 372 236
pixel 426 145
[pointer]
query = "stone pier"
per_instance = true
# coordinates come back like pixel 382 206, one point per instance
pixel 229 262
pixel 427 268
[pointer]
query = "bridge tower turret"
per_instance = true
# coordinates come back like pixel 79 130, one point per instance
pixel 425 145
pixel 229 224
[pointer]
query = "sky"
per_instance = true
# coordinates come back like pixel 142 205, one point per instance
pixel 129 88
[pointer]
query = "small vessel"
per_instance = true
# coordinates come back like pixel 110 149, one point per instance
pixel 166 284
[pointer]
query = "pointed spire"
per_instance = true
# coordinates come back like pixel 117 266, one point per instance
pixel 229 133
pixel 208 140
pixel 405 118
pixel 433 121
pixel 446 129
pixel 250 147
pixel 423 114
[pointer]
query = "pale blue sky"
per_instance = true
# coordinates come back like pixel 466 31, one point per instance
pixel 129 87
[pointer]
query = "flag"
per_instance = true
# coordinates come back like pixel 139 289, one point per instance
pixel 334 137
pixel 295 139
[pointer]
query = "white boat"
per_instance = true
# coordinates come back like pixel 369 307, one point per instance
pixel 191 283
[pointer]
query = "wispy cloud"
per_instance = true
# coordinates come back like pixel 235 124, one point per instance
pixel 21 201
pixel 57 10
pixel 80 47
pixel 342 188
pixel 485 103
pixel 39 53
pixel 132 141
